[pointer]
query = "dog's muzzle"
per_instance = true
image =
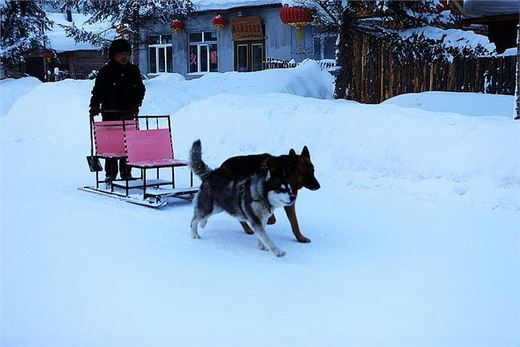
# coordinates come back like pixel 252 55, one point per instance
pixel 313 185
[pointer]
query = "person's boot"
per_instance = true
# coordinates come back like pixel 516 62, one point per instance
pixel 108 183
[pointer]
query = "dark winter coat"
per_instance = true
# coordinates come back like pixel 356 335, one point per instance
pixel 117 87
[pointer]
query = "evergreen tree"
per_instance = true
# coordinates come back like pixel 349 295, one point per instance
pixel 22 29
pixel 133 15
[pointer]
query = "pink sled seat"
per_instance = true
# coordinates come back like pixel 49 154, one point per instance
pixel 109 138
pixel 150 148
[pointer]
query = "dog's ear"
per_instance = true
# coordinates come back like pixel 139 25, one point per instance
pixel 305 152
pixel 292 153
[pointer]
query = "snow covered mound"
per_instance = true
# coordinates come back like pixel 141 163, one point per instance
pixel 347 138
pixel 61 108
pixel 12 89
pixel 415 137
pixel 470 104
pixel 307 79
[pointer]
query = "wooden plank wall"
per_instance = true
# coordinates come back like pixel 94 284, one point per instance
pixel 376 76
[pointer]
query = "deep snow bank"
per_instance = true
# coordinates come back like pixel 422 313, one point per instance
pixel 347 137
pixel 12 89
pixel 60 109
pixel 469 104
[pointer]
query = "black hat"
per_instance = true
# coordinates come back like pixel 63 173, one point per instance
pixel 119 45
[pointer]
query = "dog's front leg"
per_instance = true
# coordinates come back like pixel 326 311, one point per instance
pixel 291 215
pixel 266 240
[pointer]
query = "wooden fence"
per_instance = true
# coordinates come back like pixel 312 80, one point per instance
pixel 377 76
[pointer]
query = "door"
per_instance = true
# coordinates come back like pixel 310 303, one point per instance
pixel 34 66
pixel 249 56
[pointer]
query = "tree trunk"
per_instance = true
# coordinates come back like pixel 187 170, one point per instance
pixel 342 58
pixel 518 72
pixel 136 35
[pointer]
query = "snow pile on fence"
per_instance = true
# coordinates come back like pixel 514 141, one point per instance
pixel 453 40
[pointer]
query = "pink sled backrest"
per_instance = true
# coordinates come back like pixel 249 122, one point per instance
pixel 148 145
pixel 109 136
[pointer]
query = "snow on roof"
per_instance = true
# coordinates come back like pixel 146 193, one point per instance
pixel 60 42
pixel 206 5
pixel 484 8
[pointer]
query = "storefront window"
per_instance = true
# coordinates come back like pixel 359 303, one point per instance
pixel 202 52
pixel 160 53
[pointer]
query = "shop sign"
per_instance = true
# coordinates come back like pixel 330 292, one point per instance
pixel 247 28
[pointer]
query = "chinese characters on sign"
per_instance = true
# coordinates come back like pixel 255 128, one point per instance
pixel 247 28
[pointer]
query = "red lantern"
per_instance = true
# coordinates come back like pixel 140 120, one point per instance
pixel 297 17
pixel 176 25
pixel 121 29
pixel 48 55
pixel 219 22
pixel 443 5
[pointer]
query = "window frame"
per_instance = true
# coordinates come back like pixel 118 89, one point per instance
pixel 199 44
pixel 157 47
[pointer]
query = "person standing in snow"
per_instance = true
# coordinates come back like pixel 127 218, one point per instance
pixel 118 88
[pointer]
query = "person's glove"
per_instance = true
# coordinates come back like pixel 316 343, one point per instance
pixel 93 111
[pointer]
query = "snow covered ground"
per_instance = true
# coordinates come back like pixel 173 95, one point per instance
pixel 415 231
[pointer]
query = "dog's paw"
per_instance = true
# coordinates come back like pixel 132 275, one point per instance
pixel 278 252
pixel 195 236
pixel 261 246
pixel 303 239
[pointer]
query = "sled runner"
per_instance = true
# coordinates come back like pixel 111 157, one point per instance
pixel 146 144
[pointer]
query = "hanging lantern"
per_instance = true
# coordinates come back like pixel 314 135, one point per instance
pixel 219 22
pixel 443 5
pixel 297 17
pixel 48 55
pixel 176 25
pixel 121 29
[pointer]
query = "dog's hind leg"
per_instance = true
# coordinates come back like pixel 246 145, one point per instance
pixel 194 223
pixel 266 241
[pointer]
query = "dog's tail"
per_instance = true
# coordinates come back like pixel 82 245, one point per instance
pixel 197 165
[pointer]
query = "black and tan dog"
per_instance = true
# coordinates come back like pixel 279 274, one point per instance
pixel 298 169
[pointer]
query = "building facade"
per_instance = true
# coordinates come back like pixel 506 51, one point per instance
pixel 252 39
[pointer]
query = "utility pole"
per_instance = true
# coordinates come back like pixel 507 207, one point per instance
pixel 517 72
